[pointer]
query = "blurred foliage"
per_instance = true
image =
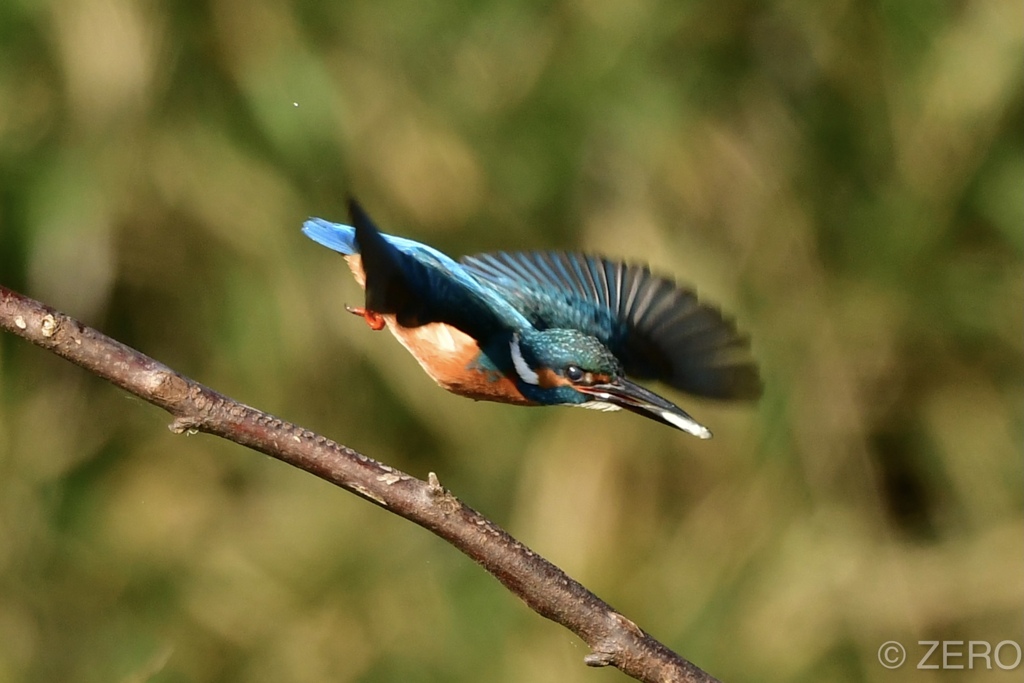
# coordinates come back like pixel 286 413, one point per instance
pixel 846 178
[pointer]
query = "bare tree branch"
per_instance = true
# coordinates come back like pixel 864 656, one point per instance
pixel 614 639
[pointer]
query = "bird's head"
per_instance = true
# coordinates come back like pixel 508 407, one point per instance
pixel 568 367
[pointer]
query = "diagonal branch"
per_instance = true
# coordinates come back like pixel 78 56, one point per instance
pixel 614 639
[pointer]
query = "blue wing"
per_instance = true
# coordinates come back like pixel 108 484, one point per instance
pixel 416 283
pixel 656 329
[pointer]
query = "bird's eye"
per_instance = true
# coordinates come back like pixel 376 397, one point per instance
pixel 573 373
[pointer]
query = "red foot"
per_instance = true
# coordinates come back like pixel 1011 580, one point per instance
pixel 374 320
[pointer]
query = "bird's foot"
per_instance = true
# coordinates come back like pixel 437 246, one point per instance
pixel 373 319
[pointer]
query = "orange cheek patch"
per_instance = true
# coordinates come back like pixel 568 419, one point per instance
pixel 549 379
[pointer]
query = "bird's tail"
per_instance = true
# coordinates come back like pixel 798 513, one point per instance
pixel 341 238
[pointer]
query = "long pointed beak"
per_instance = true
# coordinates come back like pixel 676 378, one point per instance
pixel 633 397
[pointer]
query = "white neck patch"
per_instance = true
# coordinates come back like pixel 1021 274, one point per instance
pixel 524 371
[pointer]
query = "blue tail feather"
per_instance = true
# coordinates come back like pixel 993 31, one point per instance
pixel 340 238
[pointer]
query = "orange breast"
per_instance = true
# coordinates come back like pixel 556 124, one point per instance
pixel 449 356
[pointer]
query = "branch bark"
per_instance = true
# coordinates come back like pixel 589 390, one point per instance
pixel 614 640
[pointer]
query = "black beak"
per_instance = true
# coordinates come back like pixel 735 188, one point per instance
pixel 633 397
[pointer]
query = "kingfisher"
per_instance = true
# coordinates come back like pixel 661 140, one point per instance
pixel 544 328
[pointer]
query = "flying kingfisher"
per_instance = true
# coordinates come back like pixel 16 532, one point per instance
pixel 544 327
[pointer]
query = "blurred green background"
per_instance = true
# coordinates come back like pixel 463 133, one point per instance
pixel 846 178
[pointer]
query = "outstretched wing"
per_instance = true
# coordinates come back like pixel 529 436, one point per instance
pixel 414 282
pixel 658 330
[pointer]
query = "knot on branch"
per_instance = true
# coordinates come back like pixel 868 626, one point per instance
pixel 184 424
pixel 621 636
pixel 599 659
